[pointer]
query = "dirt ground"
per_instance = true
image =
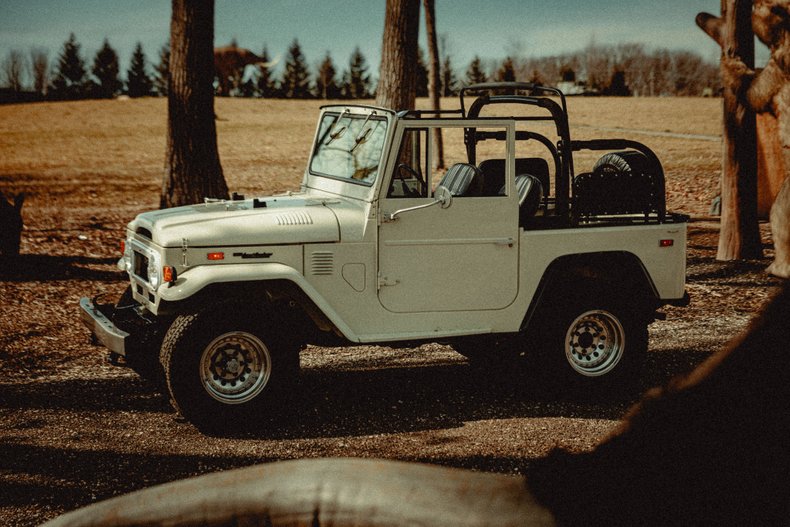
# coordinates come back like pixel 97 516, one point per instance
pixel 74 429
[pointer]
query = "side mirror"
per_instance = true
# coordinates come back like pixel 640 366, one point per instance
pixel 442 197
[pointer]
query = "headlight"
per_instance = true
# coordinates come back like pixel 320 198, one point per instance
pixel 154 270
pixel 125 263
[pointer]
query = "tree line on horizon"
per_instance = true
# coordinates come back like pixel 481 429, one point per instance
pixel 623 70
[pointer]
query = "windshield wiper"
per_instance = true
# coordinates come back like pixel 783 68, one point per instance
pixel 335 135
pixel 362 136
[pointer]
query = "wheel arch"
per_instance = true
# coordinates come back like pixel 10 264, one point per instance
pixel 287 292
pixel 622 270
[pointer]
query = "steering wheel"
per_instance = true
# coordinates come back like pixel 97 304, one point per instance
pixel 411 192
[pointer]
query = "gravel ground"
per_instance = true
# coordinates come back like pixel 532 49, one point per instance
pixel 74 429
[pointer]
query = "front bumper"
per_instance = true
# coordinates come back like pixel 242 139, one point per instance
pixel 102 327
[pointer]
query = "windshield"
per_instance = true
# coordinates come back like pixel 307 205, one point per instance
pixel 349 147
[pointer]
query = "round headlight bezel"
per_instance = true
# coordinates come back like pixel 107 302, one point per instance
pixel 154 270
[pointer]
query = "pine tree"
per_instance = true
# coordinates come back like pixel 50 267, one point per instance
pixel 138 83
pixel 421 75
pixel 162 73
pixel 266 87
pixel 70 74
pixel 105 71
pixel 507 71
pixel 296 78
pixel 325 83
pixel 475 73
pixel 356 83
pixel 449 81
pixel 249 88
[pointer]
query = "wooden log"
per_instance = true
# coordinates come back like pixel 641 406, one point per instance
pixel 321 492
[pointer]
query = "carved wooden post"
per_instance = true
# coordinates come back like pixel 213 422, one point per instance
pixel 740 235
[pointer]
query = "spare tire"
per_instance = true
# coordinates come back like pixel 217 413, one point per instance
pixel 625 162
pixel 621 183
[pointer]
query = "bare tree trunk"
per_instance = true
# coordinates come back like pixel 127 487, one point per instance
pixel 739 237
pixel 434 79
pixel 397 82
pixel 192 166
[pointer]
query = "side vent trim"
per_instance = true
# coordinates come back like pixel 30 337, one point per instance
pixel 323 263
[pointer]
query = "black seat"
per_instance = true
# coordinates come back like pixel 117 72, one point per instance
pixel 463 179
pixel 494 173
pixel 530 194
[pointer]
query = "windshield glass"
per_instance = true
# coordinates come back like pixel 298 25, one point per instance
pixel 349 147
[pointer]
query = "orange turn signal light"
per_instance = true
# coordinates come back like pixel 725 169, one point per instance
pixel 169 274
pixel 215 256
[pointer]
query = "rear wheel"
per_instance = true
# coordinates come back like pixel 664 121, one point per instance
pixel 595 342
pixel 226 369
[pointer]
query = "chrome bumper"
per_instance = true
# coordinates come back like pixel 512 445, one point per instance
pixel 102 327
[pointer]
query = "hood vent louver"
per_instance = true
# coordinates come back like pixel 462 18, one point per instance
pixel 293 218
pixel 323 263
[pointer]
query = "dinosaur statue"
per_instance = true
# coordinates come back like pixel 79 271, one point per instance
pixel 229 64
pixel 766 92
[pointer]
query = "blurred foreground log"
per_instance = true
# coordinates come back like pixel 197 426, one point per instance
pixel 321 492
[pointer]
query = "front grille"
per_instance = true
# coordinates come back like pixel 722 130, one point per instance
pixel 141 265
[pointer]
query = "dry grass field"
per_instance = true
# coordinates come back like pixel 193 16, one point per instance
pixel 74 429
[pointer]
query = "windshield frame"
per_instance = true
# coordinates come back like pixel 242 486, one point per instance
pixel 337 115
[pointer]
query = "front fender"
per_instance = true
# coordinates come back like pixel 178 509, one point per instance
pixel 197 279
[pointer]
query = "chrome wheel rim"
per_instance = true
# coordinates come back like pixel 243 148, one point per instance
pixel 235 367
pixel 594 343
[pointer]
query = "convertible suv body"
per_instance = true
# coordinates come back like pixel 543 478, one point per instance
pixel 507 252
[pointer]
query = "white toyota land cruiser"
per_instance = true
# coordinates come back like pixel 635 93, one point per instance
pixel 507 252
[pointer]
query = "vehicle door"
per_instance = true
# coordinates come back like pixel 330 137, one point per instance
pixel 460 255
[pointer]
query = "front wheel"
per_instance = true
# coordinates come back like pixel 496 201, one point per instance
pixel 226 370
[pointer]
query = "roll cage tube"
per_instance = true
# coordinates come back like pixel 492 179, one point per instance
pixel 559 116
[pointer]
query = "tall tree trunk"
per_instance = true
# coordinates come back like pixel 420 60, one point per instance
pixel 434 80
pixel 397 79
pixel 192 167
pixel 739 237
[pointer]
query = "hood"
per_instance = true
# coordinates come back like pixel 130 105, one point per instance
pixel 269 221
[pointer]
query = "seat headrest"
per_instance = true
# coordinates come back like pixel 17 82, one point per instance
pixel 463 179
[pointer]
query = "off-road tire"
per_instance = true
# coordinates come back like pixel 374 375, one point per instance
pixel 594 342
pixel 227 368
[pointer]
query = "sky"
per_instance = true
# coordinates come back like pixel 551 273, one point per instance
pixel 490 29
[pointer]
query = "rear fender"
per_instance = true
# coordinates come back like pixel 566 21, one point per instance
pixel 620 272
